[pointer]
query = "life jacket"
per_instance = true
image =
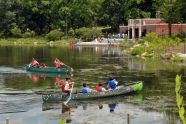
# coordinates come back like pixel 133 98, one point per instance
pixel 35 63
pixel 63 88
pixel 57 64
pixel 99 88
pixel 112 84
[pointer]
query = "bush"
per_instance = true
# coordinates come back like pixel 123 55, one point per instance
pixel 29 33
pixel 176 59
pixel 54 35
pixel 16 32
pixel 150 37
pixel 1 34
pixel 71 32
pixel 182 35
pixel 88 34
pixel 137 51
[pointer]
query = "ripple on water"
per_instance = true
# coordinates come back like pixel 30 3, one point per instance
pixel 18 103
pixel 9 70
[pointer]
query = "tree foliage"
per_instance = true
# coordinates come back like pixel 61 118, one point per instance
pixel 42 16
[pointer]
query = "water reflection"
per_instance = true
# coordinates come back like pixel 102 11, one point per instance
pixel 112 107
pixel 56 76
pixel 94 64
pixel 100 111
pixel 26 81
pixel 111 101
pixel 66 114
pixel 109 50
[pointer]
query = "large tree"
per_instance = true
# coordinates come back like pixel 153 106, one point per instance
pixel 170 12
pixel 116 12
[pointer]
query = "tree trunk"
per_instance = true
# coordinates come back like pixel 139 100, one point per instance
pixel 170 28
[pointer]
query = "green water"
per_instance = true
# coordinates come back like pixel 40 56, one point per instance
pixel 91 65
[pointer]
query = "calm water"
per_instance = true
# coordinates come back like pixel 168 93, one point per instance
pixel 156 104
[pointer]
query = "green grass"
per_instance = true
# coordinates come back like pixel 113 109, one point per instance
pixel 37 41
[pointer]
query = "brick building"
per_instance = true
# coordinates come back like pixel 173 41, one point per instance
pixel 140 27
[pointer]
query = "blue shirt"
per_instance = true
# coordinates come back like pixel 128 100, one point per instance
pixel 112 84
pixel 86 90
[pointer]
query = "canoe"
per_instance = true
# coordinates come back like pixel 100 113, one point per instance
pixel 57 97
pixel 49 69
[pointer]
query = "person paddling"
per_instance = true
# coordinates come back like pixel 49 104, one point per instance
pixel 58 63
pixel 65 87
pixel 34 63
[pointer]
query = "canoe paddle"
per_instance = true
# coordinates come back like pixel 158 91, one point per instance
pixel 69 98
pixel 67 66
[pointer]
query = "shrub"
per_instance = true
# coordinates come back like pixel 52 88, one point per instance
pixel 137 51
pixel 54 35
pixel 150 37
pixel 71 32
pixel 16 31
pixel 88 34
pixel 1 34
pixel 29 33
pixel 176 59
pixel 182 35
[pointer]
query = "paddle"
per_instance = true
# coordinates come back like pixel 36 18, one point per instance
pixel 66 65
pixel 69 98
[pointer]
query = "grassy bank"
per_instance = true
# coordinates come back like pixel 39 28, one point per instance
pixel 33 41
pixel 152 45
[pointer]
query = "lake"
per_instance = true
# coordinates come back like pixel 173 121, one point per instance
pixel 155 104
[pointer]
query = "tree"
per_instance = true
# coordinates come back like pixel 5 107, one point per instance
pixel 170 12
pixel 117 12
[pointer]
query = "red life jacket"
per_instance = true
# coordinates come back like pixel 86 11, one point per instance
pixel 35 63
pixel 63 88
pixel 57 64
pixel 99 88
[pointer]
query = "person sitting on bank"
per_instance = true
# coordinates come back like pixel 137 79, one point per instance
pixel 100 88
pixel 65 87
pixel 58 63
pixel 112 83
pixel 34 63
